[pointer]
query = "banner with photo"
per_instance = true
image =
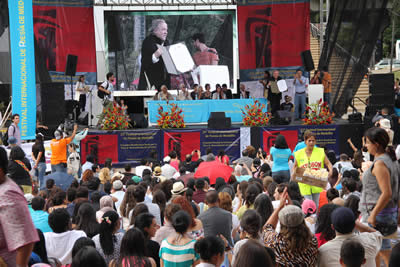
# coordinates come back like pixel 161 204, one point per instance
pixel 272 34
pixel 126 32
pixel 65 28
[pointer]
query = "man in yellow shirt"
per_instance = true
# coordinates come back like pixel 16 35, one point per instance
pixel 58 146
pixel 327 83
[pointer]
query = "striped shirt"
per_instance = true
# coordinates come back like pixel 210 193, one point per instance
pixel 178 255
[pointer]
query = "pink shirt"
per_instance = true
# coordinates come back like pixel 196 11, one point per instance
pixel 16 226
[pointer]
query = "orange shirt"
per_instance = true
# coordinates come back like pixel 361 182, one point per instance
pixel 206 57
pixel 59 150
pixel 327 82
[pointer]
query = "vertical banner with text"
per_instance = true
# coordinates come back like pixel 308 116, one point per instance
pixel 23 66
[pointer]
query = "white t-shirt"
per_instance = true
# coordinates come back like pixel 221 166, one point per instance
pixel 109 88
pixel 60 246
pixel 139 170
pixel 120 196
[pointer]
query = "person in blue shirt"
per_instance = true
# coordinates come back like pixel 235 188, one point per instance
pixel 280 154
pixel 300 85
pixel 40 218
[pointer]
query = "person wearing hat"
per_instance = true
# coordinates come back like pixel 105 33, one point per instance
pixel 157 174
pixel 58 146
pixel 344 223
pixel 167 169
pixel 178 189
pixel 118 193
pixel 294 245
pixel 385 124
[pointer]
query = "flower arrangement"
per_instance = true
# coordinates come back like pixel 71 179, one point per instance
pixel 253 115
pixel 171 118
pixel 114 118
pixel 318 114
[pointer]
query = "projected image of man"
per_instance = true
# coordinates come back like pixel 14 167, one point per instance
pixel 153 72
pixel 205 55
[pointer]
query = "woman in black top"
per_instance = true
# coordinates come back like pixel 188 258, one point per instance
pixel 38 156
pixel 18 169
pixel 148 225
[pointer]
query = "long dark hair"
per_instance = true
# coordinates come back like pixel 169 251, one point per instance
pixel 263 206
pixel 251 194
pixel 381 138
pixel 132 251
pixel 280 142
pixel 324 223
pixel 253 254
pixel 107 227
pixel 88 256
pixel 86 220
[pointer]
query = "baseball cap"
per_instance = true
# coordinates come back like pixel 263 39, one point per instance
pixel 308 206
pixel 167 159
pixel 291 216
pixel 117 185
pixel 136 179
pixel 343 220
pixel 157 171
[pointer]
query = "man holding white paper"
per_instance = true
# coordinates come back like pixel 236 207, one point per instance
pixel 153 73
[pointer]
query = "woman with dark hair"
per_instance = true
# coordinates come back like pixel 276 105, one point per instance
pixel 38 156
pixel 174 162
pixel 294 192
pixel 86 220
pixel 280 155
pixel 80 92
pixel 253 254
pixel 57 200
pixel 108 241
pixel 324 231
pixel 178 249
pixel 251 230
pixel 218 93
pixel 263 206
pixel 40 248
pixel 314 158
pixel 88 256
pixel 127 204
pixel 18 169
pixel 81 243
pixel 222 157
pixel 207 93
pixel 139 209
pixel 147 223
pixel 160 199
pixel 196 227
pixel 353 202
pixel 211 250
pixel 380 194
pixel 132 251
pixel 294 245
pixel 249 198
pixel 265 170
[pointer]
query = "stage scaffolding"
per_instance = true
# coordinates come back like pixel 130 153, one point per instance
pixel 163 2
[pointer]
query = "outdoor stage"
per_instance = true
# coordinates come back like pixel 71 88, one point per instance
pixel 130 146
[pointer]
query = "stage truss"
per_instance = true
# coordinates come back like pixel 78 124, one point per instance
pixel 163 2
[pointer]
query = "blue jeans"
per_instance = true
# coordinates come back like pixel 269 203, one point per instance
pixel 281 176
pixel 40 172
pixel 299 105
pixel 314 197
pixel 386 217
pixel 327 99
pixel 61 167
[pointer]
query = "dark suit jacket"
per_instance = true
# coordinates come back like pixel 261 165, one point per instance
pixel 156 72
pixel 217 221
pixel 238 95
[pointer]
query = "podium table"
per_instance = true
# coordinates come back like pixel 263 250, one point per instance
pixel 198 111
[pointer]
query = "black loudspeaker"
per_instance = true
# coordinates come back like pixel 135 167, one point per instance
pixel 355 117
pixel 5 92
pixel 381 84
pixel 218 120
pixel 53 104
pixel 115 40
pixel 70 68
pixel 307 59
pixel 138 120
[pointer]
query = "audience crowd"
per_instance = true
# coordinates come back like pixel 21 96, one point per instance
pixel 158 214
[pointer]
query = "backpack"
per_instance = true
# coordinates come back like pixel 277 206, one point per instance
pixel 4 138
pixel 100 93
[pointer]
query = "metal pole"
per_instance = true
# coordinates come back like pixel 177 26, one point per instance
pixel 392 44
pixel 321 25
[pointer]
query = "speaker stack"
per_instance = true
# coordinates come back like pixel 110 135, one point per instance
pixel 307 60
pixel 381 91
pixel 53 104
pixel 218 120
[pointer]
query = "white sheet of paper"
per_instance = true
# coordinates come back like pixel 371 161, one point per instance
pixel 282 86
pixel 182 59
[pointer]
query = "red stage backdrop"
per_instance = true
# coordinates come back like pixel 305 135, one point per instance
pixel 183 142
pixel 272 34
pixel 101 146
pixel 62 28
pixel 269 137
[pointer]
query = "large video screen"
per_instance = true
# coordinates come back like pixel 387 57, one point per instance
pixel 210 38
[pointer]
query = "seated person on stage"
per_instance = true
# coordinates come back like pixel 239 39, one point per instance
pixel 183 93
pixel 207 94
pixel 197 92
pixel 227 91
pixel 243 93
pixel 286 109
pixel 205 55
pixel 163 94
pixel 219 93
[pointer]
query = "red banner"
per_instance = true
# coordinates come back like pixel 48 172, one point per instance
pixel 101 146
pixel 62 30
pixel 182 142
pixel 269 137
pixel 273 35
